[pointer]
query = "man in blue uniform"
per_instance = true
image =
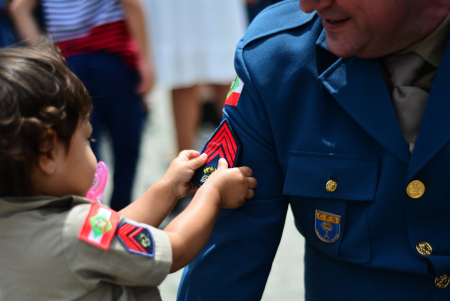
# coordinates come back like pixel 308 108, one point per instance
pixel 335 123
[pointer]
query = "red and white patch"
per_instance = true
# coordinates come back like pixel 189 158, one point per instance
pixel 100 226
pixel 235 92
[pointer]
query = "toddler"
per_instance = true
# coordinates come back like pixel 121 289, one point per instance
pixel 54 243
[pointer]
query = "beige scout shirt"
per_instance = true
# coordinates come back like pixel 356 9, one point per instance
pixel 42 258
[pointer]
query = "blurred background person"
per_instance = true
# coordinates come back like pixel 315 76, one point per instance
pixel 105 44
pixel 194 42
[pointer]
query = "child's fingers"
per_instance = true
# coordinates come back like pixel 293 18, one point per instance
pixel 194 154
pixel 189 154
pixel 246 171
pixel 198 161
pixel 250 194
pixel 184 154
pixel 252 182
pixel 223 164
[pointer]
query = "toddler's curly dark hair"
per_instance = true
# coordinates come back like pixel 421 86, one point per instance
pixel 37 93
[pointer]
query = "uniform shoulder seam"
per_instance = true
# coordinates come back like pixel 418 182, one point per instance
pixel 279 17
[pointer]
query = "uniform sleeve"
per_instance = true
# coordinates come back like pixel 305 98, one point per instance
pixel 237 259
pixel 138 254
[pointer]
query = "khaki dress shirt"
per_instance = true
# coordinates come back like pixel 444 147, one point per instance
pixel 42 257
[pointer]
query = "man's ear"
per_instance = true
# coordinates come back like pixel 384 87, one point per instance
pixel 49 150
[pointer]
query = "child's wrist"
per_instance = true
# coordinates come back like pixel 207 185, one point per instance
pixel 212 193
pixel 168 187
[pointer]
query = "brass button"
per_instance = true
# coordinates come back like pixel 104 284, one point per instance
pixel 331 186
pixel 424 248
pixel 442 281
pixel 415 189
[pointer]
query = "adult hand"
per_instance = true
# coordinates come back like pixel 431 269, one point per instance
pixel 147 78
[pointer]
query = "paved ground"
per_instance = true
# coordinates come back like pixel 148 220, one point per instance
pixel 286 278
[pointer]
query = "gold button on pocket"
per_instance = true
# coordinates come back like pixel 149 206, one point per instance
pixel 424 248
pixel 442 281
pixel 331 186
pixel 415 189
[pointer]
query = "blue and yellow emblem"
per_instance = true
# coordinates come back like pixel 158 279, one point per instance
pixel 328 226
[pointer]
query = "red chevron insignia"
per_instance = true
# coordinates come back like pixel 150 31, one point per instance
pixel 136 239
pixel 222 144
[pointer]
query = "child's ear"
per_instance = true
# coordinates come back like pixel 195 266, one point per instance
pixel 49 150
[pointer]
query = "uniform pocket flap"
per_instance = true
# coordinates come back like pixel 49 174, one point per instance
pixel 355 177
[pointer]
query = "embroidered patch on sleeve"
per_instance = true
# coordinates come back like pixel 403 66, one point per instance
pixel 137 239
pixel 100 225
pixel 235 92
pixel 222 144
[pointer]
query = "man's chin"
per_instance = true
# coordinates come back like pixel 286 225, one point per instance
pixel 339 46
pixel 342 49
pixel 338 51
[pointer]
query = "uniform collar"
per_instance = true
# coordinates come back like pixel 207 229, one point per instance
pixel 322 41
pixel 432 47
pixel 359 88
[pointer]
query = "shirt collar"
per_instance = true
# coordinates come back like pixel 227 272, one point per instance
pixel 432 47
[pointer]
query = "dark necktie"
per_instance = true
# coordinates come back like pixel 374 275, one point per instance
pixel 409 101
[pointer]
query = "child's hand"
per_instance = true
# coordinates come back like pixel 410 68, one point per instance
pixel 181 170
pixel 234 185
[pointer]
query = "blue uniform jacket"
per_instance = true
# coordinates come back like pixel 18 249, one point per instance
pixel 306 117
